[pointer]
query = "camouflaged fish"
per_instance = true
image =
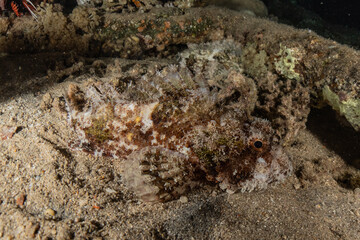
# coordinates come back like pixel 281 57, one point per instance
pixel 175 130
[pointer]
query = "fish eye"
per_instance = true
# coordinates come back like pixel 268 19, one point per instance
pixel 258 144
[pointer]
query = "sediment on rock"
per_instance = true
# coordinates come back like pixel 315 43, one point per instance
pixel 289 66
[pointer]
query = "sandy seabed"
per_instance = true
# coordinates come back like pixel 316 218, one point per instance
pixel 48 191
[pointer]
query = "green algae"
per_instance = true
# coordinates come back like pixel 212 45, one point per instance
pixel 98 130
pixel 286 61
pixel 349 108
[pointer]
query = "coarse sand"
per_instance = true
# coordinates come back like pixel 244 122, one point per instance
pixel 48 191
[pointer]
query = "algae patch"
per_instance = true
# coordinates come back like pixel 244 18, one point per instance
pixel 286 61
pixel 350 108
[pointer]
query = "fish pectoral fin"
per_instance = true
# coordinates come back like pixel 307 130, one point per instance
pixel 156 174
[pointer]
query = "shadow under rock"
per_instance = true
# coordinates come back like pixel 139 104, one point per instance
pixel 341 138
pixel 27 72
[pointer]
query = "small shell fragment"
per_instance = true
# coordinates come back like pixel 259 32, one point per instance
pixel 7 132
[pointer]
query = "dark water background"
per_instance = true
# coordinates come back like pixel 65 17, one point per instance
pixel 335 19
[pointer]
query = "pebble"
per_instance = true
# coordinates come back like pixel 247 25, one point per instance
pixel 49 212
pixel 297 186
pixel 183 199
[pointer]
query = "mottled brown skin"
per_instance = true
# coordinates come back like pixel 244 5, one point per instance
pixel 250 155
pixel 174 131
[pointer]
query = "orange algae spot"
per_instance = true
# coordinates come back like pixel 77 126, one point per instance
pixel 137 119
pixel 137 3
pixel 141 28
pixel 96 207
pixel 167 25
pixel 129 136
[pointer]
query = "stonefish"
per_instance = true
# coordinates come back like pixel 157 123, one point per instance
pixel 174 129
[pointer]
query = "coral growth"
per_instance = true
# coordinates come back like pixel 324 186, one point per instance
pixel 175 129
pixel 282 97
